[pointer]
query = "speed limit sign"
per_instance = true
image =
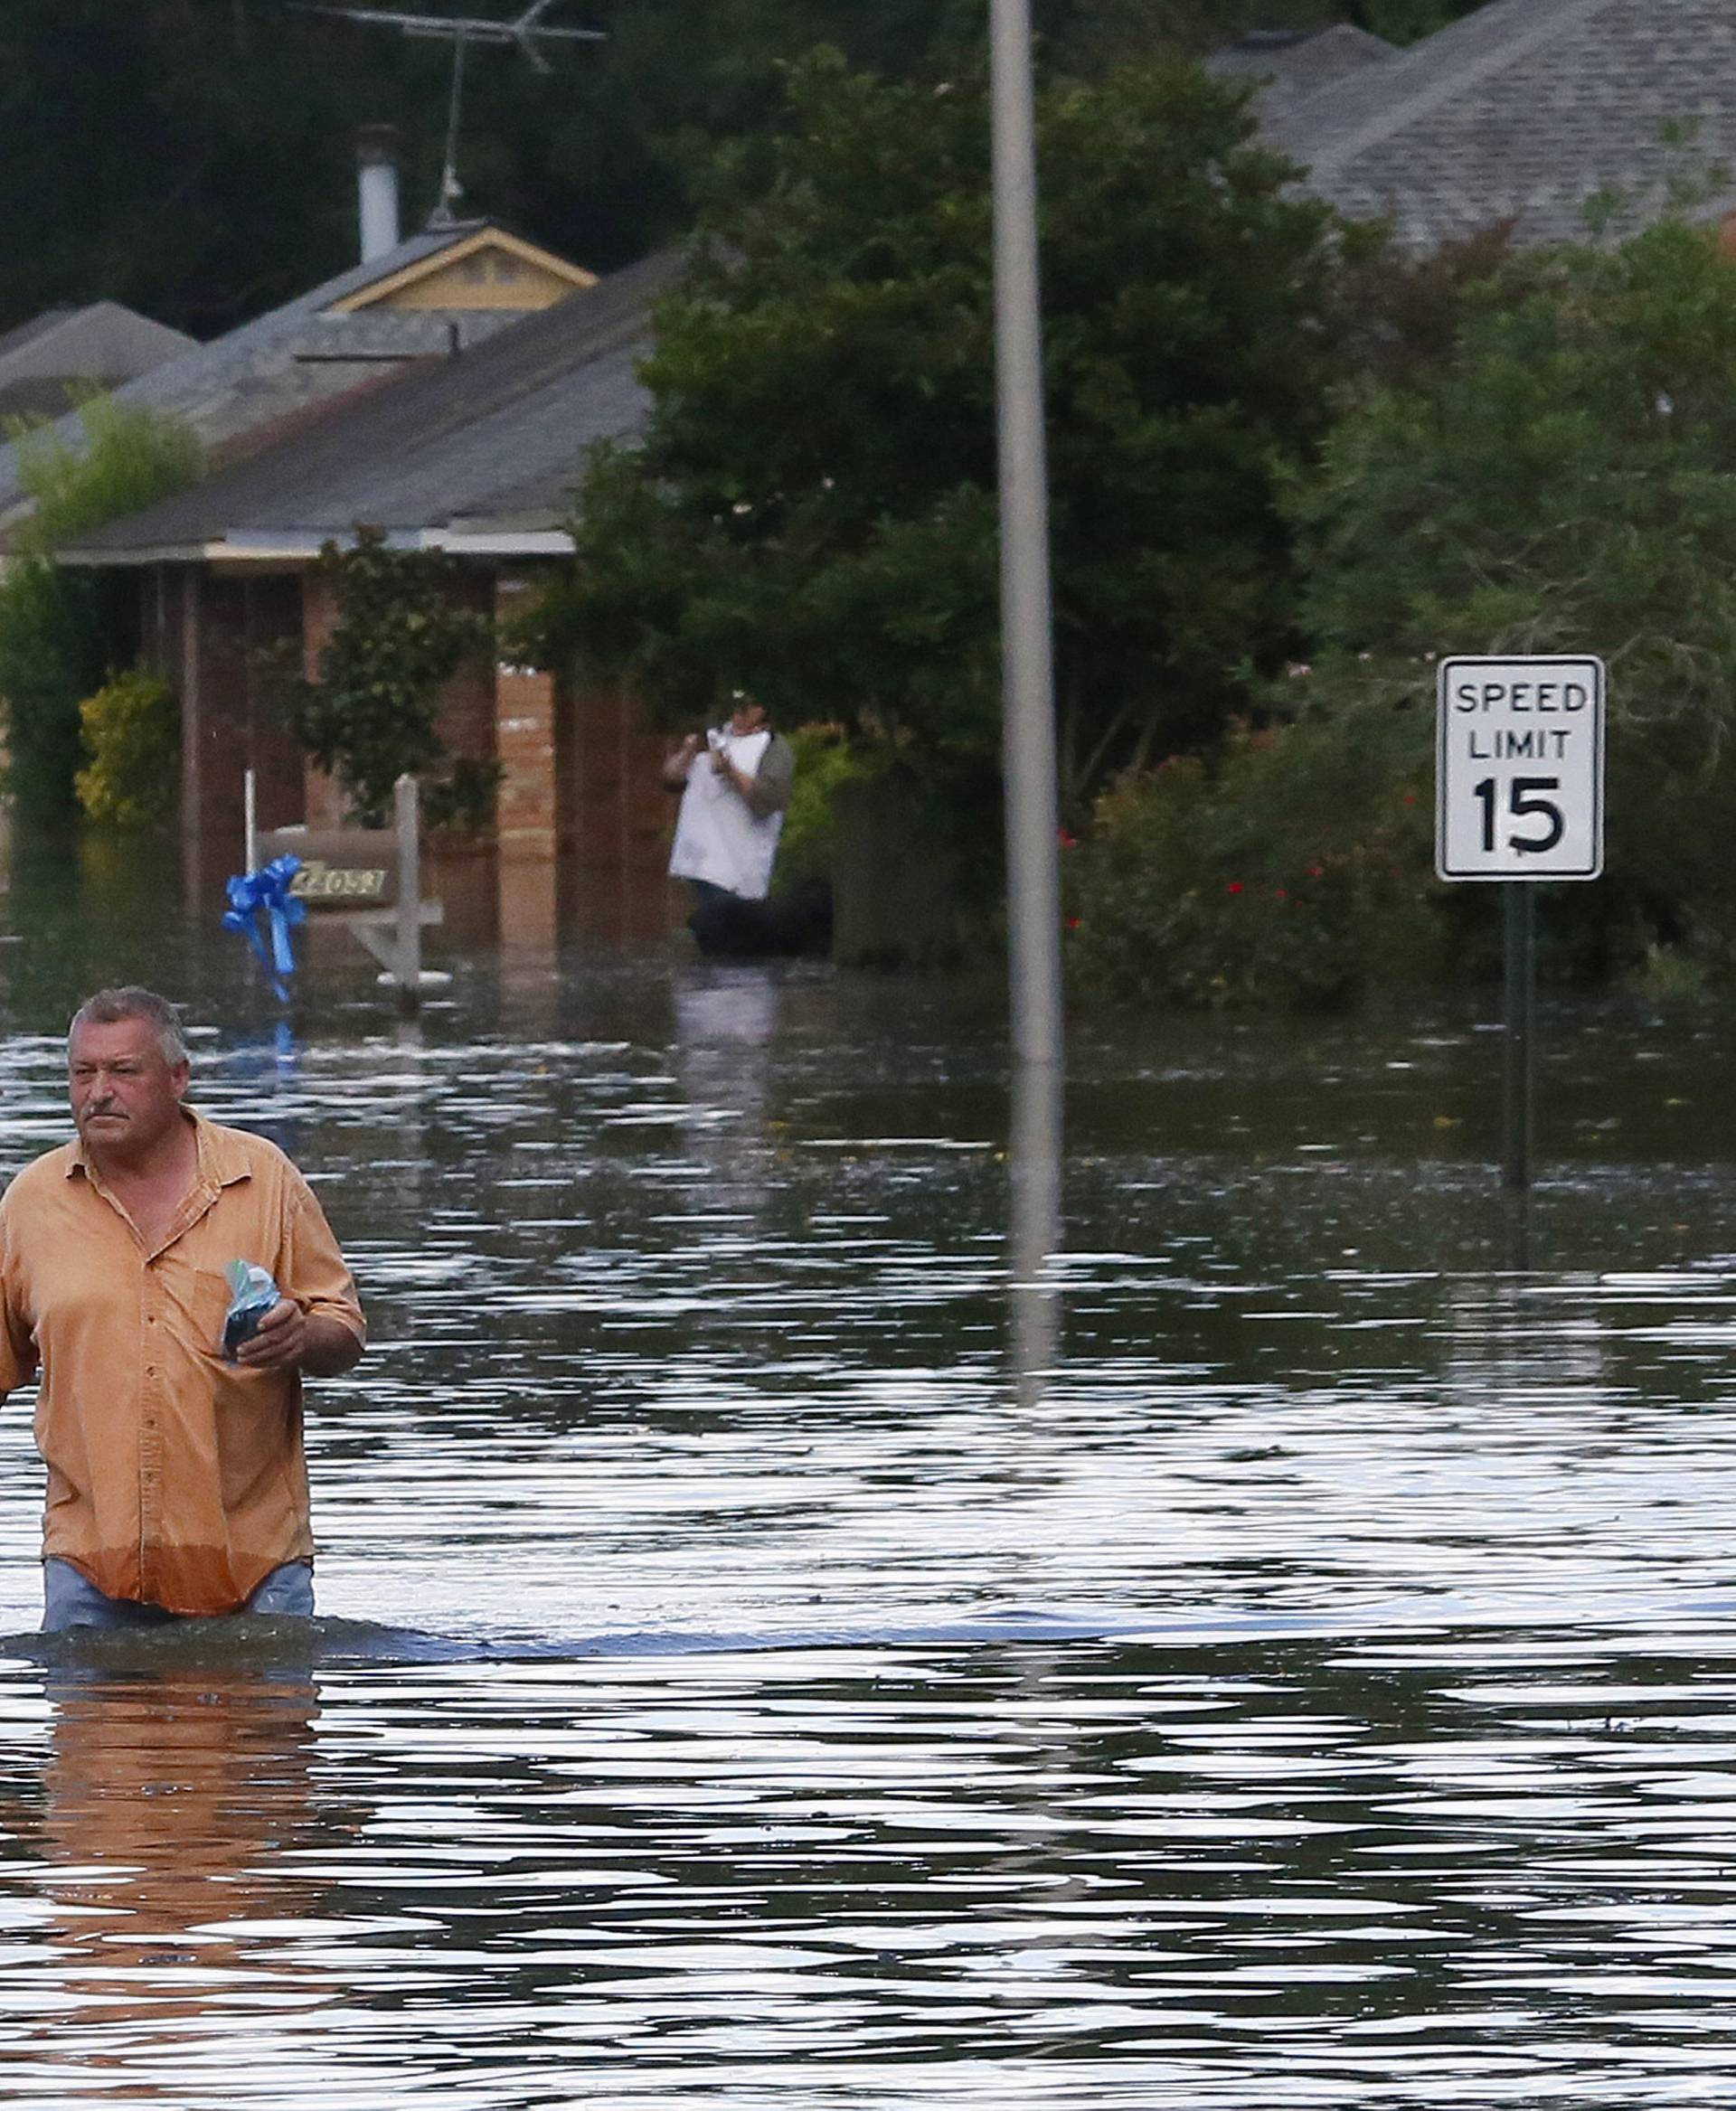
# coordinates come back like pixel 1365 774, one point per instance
pixel 1519 773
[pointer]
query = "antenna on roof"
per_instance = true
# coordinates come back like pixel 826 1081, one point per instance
pixel 527 31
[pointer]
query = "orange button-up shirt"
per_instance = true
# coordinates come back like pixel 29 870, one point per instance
pixel 173 1477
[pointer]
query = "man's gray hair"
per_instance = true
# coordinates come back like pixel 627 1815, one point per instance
pixel 109 1007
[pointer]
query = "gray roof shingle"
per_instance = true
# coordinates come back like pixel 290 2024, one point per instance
pixel 45 362
pixel 1290 67
pixel 294 356
pixel 23 333
pixel 489 444
pixel 1527 111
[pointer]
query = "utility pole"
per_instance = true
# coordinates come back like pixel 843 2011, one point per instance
pixel 1028 687
pixel 1027 648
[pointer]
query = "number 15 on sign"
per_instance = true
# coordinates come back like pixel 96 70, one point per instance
pixel 1519 776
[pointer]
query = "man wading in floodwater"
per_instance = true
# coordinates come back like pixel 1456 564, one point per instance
pixel 176 1482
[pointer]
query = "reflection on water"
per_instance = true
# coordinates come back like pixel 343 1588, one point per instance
pixel 171 1804
pixel 1429 1868
pixel 834 1600
pixel 724 1025
pixel 1035 1239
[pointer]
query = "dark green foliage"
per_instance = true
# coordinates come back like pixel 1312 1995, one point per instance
pixel 236 190
pixel 1558 476
pixel 813 511
pixel 372 715
pixel 463 797
pixel 1567 483
pixel 63 632
pixel 60 632
pixel 1292 869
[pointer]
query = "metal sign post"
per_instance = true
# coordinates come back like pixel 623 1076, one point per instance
pixel 1519 798
pixel 1518 1081
pixel 405 967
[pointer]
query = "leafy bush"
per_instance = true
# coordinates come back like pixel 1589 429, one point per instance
pixel 464 798
pixel 132 734
pixel 62 631
pixel 826 758
pixel 400 635
pixel 126 458
pixel 1291 869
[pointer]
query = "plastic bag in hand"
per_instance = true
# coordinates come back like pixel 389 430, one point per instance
pixel 251 1294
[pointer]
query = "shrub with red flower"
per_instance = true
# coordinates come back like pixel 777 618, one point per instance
pixel 1333 889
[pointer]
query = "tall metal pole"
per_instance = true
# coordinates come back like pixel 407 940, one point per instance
pixel 1034 864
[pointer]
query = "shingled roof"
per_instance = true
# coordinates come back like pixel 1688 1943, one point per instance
pixel 46 364
pixel 1525 111
pixel 1291 64
pixel 308 351
pixel 478 452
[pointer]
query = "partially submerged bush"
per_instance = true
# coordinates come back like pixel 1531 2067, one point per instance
pixel 826 758
pixel 131 730
pixel 64 631
pixel 1291 869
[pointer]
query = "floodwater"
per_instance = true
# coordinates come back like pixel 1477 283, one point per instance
pixel 1280 1654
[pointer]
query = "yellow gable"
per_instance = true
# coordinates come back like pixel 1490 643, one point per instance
pixel 487 270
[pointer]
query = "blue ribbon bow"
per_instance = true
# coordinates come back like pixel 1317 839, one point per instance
pixel 265 895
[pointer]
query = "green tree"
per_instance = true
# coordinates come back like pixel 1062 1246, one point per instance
pixel 63 632
pixel 372 715
pixel 1564 481
pixel 812 511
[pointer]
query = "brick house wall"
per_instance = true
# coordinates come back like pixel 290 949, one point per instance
pixel 582 821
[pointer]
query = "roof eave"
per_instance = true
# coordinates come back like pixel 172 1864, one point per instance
pixel 242 549
pixel 142 553
pixel 500 542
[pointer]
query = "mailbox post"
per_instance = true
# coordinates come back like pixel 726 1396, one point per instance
pixel 405 967
pixel 369 880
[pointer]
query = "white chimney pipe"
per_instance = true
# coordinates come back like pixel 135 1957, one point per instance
pixel 376 188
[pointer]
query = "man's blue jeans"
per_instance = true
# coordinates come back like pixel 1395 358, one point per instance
pixel 70 1600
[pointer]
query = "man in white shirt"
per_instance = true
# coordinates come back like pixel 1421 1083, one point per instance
pixel 734 783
